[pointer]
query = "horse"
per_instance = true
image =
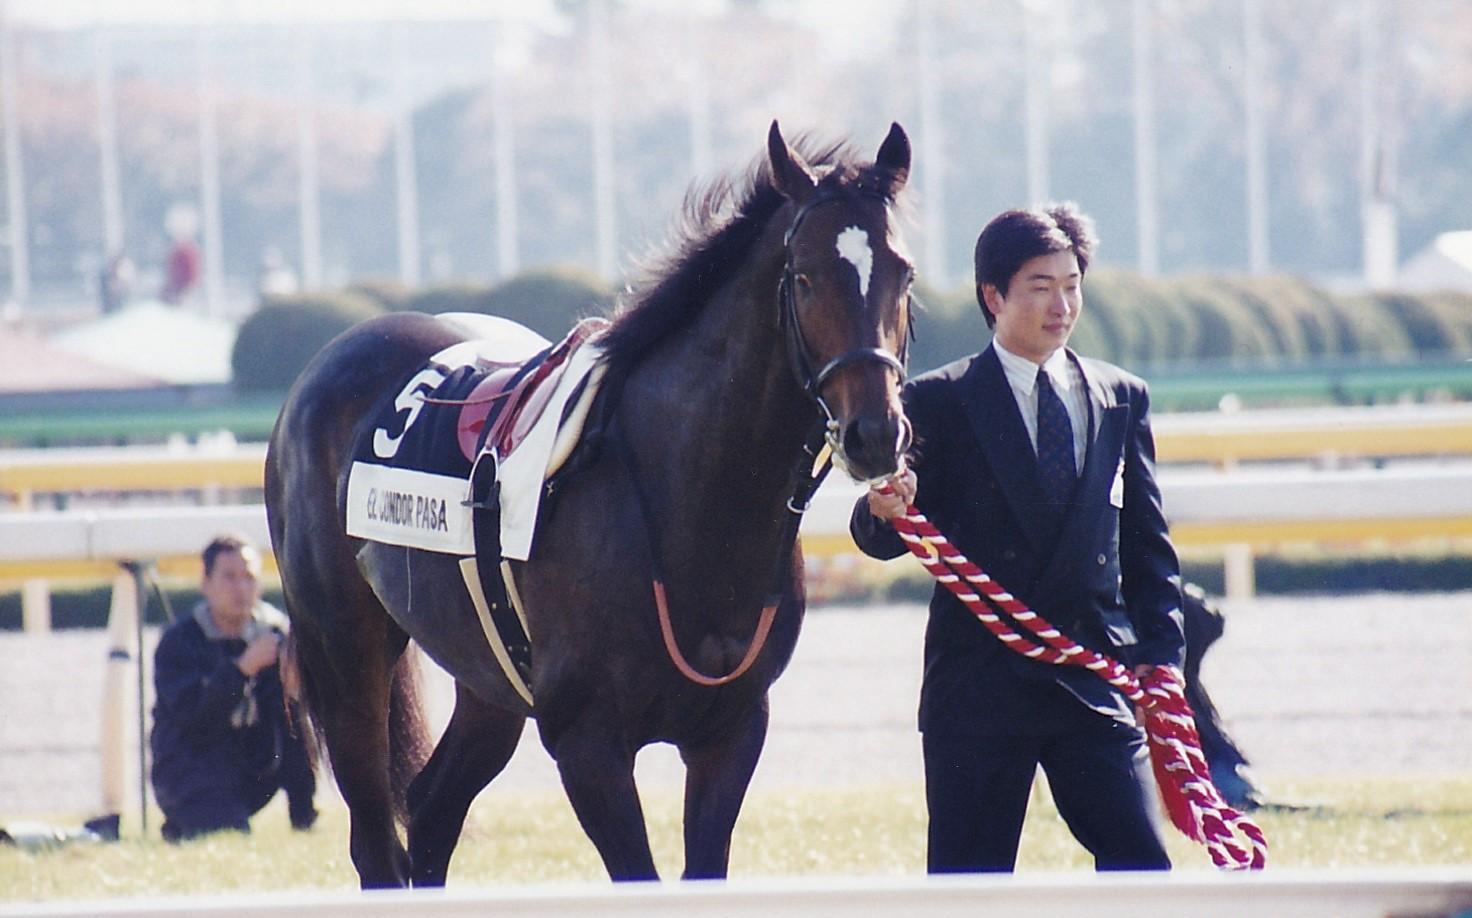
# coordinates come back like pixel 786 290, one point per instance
pixel 777 321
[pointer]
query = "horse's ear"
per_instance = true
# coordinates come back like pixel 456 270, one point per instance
pixel 790 172
pixel 894 155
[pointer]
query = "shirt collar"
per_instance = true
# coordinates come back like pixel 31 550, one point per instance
pixel 1023 373
pixel 260 622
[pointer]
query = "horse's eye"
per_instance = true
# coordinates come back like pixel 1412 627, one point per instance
pixel 803 284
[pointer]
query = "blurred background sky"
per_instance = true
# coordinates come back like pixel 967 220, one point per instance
pixel 430 143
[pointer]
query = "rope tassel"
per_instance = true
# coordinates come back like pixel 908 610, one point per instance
pixel 1192 801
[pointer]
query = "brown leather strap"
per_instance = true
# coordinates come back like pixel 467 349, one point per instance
pixel 763 628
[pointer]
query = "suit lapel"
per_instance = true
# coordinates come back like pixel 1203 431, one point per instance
pixel 1103 415
pixel 991 408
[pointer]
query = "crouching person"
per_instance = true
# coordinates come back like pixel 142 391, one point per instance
pixel 222 742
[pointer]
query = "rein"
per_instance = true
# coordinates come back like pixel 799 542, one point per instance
pixel 1193 802
pixel 809 475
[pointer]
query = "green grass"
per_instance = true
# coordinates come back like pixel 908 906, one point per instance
pixel 534 839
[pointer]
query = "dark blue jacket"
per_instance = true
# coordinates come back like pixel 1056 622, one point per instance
pixel 1110 579
pixel 221 742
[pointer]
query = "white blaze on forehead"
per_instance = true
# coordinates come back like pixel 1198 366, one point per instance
pixel 853 247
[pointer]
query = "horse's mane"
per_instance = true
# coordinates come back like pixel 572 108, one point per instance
pixel 717 227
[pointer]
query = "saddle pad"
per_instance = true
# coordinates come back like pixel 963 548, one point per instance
pixel 409 480
pixel 521 473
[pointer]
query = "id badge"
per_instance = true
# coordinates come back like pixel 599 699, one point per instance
pixel 1116 490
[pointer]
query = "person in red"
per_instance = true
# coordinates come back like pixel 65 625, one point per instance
pixel 1039 465
pixel 181 273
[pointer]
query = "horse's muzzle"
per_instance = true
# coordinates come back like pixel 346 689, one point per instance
pixel 871 446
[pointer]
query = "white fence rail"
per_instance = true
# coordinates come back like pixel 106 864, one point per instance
pixel 124 533
pixel 1383 894
pixel 1267 505
pixel 1241 511
pixel 1260 506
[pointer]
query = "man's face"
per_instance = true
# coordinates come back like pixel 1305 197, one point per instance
pixel 232 588
pixel 1041 305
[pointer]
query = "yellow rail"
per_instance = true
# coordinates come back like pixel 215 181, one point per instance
pixel 1305 435
pixel 117 470
pixel 1212 438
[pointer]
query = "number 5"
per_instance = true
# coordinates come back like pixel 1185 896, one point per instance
pixel 411 400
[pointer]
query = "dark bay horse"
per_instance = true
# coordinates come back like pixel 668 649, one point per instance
pixel 783 310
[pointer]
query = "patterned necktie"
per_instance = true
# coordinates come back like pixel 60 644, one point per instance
pixel 1055 443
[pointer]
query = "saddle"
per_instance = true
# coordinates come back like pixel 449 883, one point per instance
pixel 510 398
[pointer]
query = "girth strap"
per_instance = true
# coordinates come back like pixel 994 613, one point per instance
pixel 510 630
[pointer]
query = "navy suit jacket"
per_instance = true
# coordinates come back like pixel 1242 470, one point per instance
pixel 1110 579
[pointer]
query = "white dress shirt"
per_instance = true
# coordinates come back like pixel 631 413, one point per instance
pixel 1068 382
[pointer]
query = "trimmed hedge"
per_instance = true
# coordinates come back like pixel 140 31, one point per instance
pixel 947 326
pixel 1129 319
pixel 390 295
pixel 281 337
pixel 1432 323
pixel 277 342
pixel 1142 322
pixel 548 301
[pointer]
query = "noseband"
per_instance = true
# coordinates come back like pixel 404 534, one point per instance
pixel 799 356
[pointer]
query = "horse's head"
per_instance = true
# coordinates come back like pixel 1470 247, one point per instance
pixel 846 299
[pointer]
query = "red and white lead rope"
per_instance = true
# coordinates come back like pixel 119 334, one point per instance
pixel 1193 802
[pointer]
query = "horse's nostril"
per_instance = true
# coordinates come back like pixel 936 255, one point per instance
pixel 867 435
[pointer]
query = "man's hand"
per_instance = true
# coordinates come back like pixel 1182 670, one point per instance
pixel 888 506
pixel 1140 671
pixel 260 653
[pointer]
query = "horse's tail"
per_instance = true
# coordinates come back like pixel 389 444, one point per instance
pixel 409 744
pixel 298 697
pixel 408 733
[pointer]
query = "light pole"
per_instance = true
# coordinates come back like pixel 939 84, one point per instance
pixel 209 169
pixel 931 150
pixel 309 194
pixel 503 140
pixel 604 199
pixel 1147 205
pixel 1257 182
pixel 15 174
pixel 406 183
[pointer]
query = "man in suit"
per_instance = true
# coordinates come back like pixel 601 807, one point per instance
pixel 1039 465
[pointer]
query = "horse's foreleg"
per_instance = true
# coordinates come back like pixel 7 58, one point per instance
pixel 717 774
pixel 477 744
pixel 598 774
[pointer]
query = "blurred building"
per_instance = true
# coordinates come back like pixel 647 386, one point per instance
pixel 1445 264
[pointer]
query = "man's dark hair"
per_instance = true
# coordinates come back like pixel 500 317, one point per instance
pixel 220 545
pixel 1014 237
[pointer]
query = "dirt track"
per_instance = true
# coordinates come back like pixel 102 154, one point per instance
pixel 1361 685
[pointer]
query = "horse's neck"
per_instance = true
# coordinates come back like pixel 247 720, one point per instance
pixel 723 419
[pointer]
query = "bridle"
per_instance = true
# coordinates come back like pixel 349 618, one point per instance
pixel 799 356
